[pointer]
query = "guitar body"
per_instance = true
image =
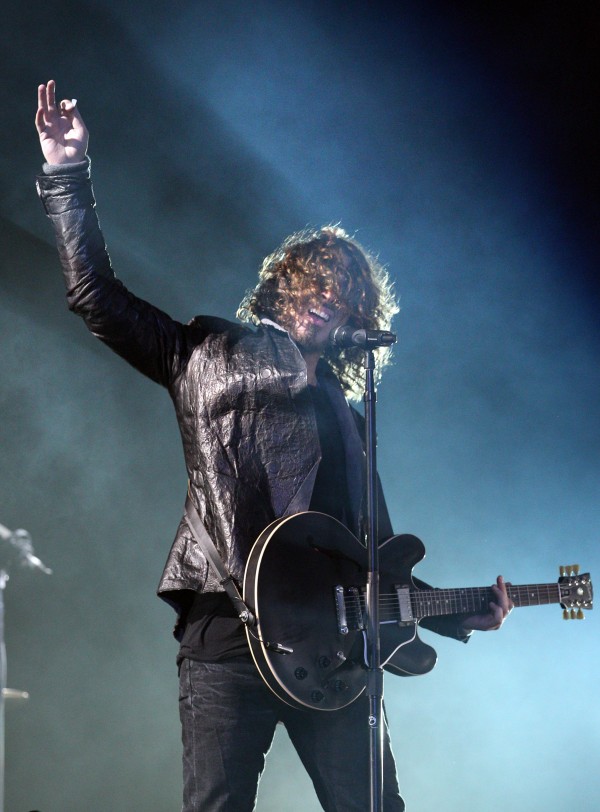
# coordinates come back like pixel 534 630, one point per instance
pixel 305 582
pixel 295 570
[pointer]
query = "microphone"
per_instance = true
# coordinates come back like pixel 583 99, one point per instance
pixel 366 339
pixel 18 544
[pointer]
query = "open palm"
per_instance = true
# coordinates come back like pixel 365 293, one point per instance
pixel 63 135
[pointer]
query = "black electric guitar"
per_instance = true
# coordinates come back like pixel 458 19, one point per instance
pixel 305 582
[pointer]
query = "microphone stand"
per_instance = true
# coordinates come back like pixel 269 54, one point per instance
pixel 374 669
pixel 369 340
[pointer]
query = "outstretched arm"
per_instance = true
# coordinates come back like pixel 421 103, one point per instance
pixel 63 135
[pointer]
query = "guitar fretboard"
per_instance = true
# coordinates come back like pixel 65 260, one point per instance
pixel 434 602
pixel 411 604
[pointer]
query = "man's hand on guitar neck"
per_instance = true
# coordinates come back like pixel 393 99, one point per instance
pixel 499 611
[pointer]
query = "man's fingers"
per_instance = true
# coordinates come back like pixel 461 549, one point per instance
pixel 68 105
pixel 51 94
pixel 40 124
pixel 70 112
pixel 496 616
pixel 48 108
pixel 501 590
pixel 42 101
pixel 47 104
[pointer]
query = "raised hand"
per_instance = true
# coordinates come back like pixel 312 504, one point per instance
pixel 63 135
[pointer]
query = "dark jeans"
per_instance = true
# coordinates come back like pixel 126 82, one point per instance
pixel 228 718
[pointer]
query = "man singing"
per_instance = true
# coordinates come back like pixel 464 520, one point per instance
pixel 267 432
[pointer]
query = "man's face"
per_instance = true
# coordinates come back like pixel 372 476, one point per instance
pixel 314 320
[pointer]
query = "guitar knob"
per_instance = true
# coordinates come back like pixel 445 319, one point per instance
pixel 339 685
pixel 317 696
pixel 301 673
pixel 324 662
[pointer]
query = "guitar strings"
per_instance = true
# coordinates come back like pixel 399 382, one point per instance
pixel 449 601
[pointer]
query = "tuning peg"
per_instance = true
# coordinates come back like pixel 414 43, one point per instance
pixel 566 615
pixel 575 569
pixel 580 615
pixel 562 571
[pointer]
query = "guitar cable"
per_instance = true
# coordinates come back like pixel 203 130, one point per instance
pixel 277 648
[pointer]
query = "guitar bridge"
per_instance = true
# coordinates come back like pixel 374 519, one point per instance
pixel 404 604
pixel 348 609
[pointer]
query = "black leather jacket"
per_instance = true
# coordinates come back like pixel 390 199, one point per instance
pixel 246 419
pixel 240 393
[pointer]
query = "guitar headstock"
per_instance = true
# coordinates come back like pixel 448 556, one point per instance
pixel 576 592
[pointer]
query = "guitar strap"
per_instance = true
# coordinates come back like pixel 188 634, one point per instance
pixel 211 554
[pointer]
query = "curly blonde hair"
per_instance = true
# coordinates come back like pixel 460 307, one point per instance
pixel 311 262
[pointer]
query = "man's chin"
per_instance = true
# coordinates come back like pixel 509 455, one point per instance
pixel 310 339
pixel 305 339
pixel 311 347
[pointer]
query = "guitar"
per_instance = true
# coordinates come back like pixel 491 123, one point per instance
pixel 305 582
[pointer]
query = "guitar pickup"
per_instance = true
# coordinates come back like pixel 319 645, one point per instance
pixel 348 609
pixel 404 604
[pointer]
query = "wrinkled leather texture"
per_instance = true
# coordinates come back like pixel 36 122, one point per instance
pixel 246 419
pixel 240 393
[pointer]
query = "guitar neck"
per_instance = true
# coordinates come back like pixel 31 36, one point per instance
pixel 474 600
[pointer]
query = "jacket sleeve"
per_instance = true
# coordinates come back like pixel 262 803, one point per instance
pixel 145 336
